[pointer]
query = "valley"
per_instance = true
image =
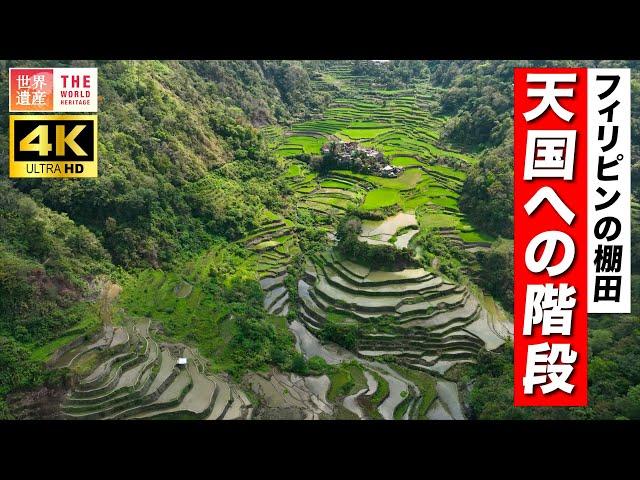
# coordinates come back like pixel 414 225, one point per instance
pixel 284 239
pixel 410 319
pixel 331 302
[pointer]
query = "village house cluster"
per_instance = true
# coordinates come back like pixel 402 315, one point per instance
pixel 354 156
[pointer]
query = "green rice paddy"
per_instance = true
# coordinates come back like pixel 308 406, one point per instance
pixel 405 126
pixel 380 198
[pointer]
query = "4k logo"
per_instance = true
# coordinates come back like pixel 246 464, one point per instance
pixel 53 146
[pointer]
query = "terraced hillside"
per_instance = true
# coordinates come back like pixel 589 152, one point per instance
pixel 410 326
pixel 126 374
pixel 368 388
pixel 404 125
pixel 411 315
pixel 272 245
pixel 327 198
pixel 413 325
pixel 290 396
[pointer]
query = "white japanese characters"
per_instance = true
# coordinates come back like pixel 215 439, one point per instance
pixel 550 154
pixel 549 194
pixel 549 94
pixel 32 90
pixel 550 241
pixel 550 306
pixel 549 366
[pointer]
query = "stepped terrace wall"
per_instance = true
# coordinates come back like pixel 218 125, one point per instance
pixel 413 316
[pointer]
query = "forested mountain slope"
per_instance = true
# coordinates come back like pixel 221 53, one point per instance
pixel 217 232
pixel 478 95
pixel 164 126
pixel 181 166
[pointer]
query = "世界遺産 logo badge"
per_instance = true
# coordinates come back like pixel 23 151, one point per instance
pixel 53 146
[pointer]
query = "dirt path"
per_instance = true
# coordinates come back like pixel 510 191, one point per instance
pixel 108 295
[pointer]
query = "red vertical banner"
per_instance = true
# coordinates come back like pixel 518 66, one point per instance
pixel 550 237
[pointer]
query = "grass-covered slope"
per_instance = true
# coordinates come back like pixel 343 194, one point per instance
pixel 50 271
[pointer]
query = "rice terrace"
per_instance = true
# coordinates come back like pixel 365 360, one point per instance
pixel 369 301
pixel 416 322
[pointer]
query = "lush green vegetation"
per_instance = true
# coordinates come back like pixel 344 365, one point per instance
pixel 487 194
pixel 394 74
pixel 380 198
pixel 266 91
pixel 477 94
pixel 441 254
pixel 425 383
pixel 222 315
pixel 614 376
pixel 382 391
pixel 346 379
pixel 17 371
pixel 377 256
pixel 496 273
pixel 345 335
pixel 178 157
pixel 175 150
pixel 45 262
pixel 182 173
pixel 212 199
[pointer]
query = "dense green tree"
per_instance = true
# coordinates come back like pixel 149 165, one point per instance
pixel 377 256
pixel 496 273
pixel 600 340
pixel 630 404
pixel 345 335
pixel 487 194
